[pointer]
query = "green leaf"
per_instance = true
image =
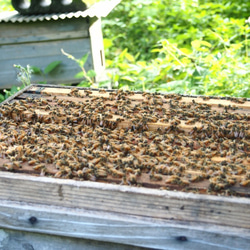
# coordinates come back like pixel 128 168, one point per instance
pixel 84 84
pixel 104 84
pixel 196 44
pixel 83 60
pixel 107 43
pixel 91 73
pixel 36 70
pixel 130 58
pixel 51 67
pixel 128 78
pixel 13 90
pixel 205 43
pixel 79 75
pixel 1 97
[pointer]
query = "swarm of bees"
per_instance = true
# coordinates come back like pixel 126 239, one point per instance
pixel 147 139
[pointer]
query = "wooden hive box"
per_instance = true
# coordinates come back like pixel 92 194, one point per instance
pixel 158 171
pixel 37 40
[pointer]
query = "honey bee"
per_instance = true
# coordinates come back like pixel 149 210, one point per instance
pixel 102 91
pixel 8 166
pixel 73 90
pixel 132 178
pixel 11 151
pixel 162 169
pixel 190 121
pixel 19 149
pixel 197 178
pixel 184 182
pixel 245 183
pixel 205 98
pixel 155 177
pixel 116 173
pixel 67 170
pixel 39 167
pixel 91 177
pixel 101 172
pixel 174 179
pixel 88 92
pixel 40 158
pixel 231 181
pixel 58 174
pixel 44 101
pixel 129 170
pixel 50 154
pixel 216 186
pixel 24 158
pixel 43 172
pixel 17 164
pixel 95 145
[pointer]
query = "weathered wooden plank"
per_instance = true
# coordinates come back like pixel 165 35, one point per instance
pixel 20 33
pixel 114 228
pixel 16 240
pixel 162 204
pixel 44 49
pixel 47 53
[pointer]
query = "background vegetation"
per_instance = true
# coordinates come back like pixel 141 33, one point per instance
pixel 5 5
pixel 183 46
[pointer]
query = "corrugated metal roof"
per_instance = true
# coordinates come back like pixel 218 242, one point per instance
pixel 100 9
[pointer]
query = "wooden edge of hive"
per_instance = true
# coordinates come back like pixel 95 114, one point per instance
pixel 130 230
pixel 161 204
pixel 137 96
pixel 124 188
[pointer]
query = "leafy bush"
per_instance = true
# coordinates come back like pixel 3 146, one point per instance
pixel 191 47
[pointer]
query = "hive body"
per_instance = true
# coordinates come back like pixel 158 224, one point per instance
pixel 165 157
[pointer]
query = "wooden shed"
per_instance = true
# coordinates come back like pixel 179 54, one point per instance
pixel 37 40
pixel 97 205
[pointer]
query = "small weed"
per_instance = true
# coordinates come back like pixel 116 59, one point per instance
pixel 88 75
pixel 23 76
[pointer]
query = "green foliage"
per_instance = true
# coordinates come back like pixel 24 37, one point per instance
pixel 183 46
pixel 47 70
pixel 191 47
pixel 5 5
pixel 10 92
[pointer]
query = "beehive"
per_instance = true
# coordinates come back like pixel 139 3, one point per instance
pixel 164 156
pixel 37 40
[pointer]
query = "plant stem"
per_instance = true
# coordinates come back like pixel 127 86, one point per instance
pixel 79 64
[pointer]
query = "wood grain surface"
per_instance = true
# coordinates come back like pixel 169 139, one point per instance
pixel 109 227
